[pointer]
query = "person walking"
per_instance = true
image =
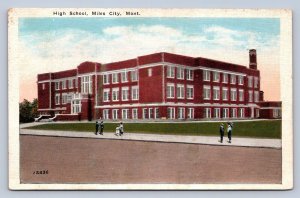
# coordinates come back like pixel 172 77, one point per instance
pixel 117 131
pixel 229 131
pixel 97 127
pixel 121 128
pixel 221 132
pixel 101 127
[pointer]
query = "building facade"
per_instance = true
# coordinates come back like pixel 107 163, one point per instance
pixel 155 86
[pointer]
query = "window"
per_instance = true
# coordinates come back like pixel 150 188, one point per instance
pixel 76 106
pixel 150 72
pixel 145 113
pixel 115 94
pixel 189 91
pixel 76 83
pixel 125 113
pixel 56 85
pixel 225 78
pixel 241 112
pixel 134 75
pixel 180 73
pixel 257 113
pixel 180 113
pixel 206 92
pixel 134 113
pixel 250 81
pixel 57 99
pixel 43 86
pixel 241 80
pixel 217 112
pixel 105 114
pixel 135 93
pixel 233 94
pixel 106 95
pixel 115 78
pixel 150 113
pixel 63 84
pixel 170 72
pixel 216 93
pixel 216 76
pixel 77 96
pixel 157 115
pixel 190 113
pixel 64 98
pixel 171 113
pixel 232 79
pixel 115 114
pixel 180 91
pixel 241 95
pixel 250 96
pixel 255 82
pixel 69 97
pixel 70 83
pixel 206 75
pixel 124 76
pixel 207 113
pixel 276 113
pixel 225 93
pixel 106 79
pixel 125 93
pixel 225 112
pixel 256 96
pixel 189 74
pixel 170 90
pixel 233 112
pixel 86 84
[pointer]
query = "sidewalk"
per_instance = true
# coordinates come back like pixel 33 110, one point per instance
pixel 24 125
pixel 206 140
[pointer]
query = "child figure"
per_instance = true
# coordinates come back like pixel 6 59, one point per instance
pixel 117 130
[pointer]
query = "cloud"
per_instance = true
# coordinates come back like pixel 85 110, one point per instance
pixel 117 30
pixel 133 40
pixel 160 30
pixel 65 49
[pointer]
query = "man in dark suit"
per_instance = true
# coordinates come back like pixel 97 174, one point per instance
pixel 221 132
pixel 121 128
pixel 101 127
pixel 97 127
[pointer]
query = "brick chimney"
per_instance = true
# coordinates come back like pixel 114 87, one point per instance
pixel 252 59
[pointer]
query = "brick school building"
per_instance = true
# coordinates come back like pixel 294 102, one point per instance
pixel 155 86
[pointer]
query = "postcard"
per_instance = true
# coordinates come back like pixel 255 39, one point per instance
pixel 160 99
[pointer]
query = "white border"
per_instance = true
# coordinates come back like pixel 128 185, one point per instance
pixel 286 94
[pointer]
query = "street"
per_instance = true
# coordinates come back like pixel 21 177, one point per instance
pixel 47 159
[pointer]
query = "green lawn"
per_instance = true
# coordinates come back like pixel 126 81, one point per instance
pixel 260 129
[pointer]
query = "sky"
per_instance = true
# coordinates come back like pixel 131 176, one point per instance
pixel 55 44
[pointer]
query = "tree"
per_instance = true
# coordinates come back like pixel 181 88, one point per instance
pixel 28 111
pixel 34 109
